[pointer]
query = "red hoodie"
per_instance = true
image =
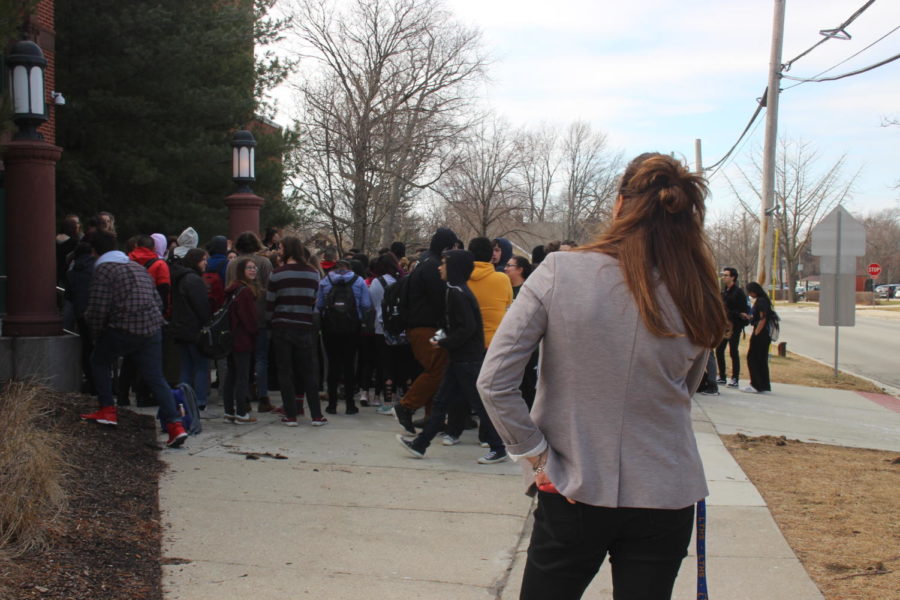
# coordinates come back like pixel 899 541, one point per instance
pixel 159 272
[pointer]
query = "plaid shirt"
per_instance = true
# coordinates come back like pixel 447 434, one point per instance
pixel 123 297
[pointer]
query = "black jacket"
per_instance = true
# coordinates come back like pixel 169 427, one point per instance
pixel 190 304
pixel 78 282
pixel 426 290
pixel 465 331
pixel 736 303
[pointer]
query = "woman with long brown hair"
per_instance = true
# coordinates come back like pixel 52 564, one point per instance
pixel 242 293
pixel 626 324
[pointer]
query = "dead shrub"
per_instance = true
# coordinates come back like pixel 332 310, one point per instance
pixel 31 469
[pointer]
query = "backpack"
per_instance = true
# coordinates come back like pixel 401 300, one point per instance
pixel 773 324
pixel 395 307
pixel 215 339
pixel 215 291
pixel 186 407
pixel 341 316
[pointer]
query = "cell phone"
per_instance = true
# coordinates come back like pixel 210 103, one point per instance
pixel 548 487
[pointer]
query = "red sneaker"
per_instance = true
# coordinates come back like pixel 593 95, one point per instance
pixel 177 435
pixel 105 416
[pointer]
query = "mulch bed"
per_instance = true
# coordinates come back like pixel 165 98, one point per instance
pixel 106 544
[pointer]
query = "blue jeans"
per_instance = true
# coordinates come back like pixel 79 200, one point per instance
pixel 194 371
pixel 262 363
pixel 147 353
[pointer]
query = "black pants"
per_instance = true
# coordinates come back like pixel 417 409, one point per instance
pixel 458 386
pixel 758 361
pixel 732 342
pixel 570 541
pixel 297 353
pixel 237 383
pixel 341 352
pixel 368 366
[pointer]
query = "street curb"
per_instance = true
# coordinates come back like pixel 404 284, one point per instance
pixel 888 389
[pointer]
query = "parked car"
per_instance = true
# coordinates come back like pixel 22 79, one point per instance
pixel 888 290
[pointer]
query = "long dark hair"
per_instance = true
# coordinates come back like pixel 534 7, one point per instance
pixel 757 289
pixel 659 229
pixel 240 275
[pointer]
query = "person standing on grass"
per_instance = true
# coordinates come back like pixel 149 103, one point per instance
pixel 735 301
pixel 124 313
pixel 626 324
pixel 464 341
pixel 758 353
pixel 242 294
pixel 290 313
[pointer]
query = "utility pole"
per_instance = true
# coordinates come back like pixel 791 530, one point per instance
pixel 698 157
pixel 768 183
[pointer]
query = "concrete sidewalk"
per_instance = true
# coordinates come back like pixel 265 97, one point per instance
pixel 348 514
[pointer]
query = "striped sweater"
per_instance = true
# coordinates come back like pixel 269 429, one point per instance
pixel 291 296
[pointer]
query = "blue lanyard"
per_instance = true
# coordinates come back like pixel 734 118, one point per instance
pixel 701 551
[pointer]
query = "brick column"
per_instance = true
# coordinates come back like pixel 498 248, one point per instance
pixel 243 213
pixel 30 232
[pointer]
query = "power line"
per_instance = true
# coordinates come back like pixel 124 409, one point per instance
pixel 724 164
pixel 838 32
pixel 759 108
pixel 852 56
pixel 850 74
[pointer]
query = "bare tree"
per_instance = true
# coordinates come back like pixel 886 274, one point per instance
pixel 734 237
pixel 590 174
pixel 804 195
pixel 481 187
pixel 883 243
pixel 390 88
pixel 540 162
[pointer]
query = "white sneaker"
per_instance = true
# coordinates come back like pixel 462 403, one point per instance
pixel 732 382
pixel 749 390
pixel 449 440
pixel 484 444
pixel 385 409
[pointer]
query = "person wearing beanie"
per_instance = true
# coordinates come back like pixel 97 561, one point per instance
pixel 218 259
pixel 425 316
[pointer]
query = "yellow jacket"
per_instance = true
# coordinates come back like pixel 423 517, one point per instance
pixel 493 291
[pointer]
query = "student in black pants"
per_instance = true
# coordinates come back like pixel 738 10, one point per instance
pixel 758 354
pixel 464 341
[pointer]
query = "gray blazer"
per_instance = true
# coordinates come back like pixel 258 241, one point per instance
pixel 613 401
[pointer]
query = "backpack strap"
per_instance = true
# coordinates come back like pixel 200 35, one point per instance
pixel 150 263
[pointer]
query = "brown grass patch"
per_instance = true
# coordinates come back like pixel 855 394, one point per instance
pixel 837 507
pixel 799 370
pixel 31 470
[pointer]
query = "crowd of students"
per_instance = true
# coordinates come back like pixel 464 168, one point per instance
pixel 307 323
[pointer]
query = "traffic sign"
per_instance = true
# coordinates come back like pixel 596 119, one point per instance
pixel 874 270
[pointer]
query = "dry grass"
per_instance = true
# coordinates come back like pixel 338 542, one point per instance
pixel 31 469
pixel 799 370
pixel 837 508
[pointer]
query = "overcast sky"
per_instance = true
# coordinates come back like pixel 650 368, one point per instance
pixel 656 74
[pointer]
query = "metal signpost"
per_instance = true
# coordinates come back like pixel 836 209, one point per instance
pixel 838 240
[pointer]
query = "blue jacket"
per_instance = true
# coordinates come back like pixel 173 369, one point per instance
pixel 360 290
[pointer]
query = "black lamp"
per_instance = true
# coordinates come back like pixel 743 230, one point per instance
pixel 26 65
pixel 243 159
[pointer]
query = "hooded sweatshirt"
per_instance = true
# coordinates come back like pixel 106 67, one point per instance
pixel 494 293
pixel 186 240
pixel 506 251
pixel 160 244
pixel 158 270
pixel 218 259
pixel 190 304
pixel 465 333
pixel 426 290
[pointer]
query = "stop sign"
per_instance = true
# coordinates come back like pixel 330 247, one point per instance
pixel 874 270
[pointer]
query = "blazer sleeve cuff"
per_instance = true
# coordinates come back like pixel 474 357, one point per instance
pixel 522 450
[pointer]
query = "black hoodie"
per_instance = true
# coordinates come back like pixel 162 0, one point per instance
pixel 465 332
pixel 426 290
pixel 506 252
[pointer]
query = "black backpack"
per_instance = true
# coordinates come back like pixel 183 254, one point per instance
pixel 341 316
pixel 395 306
pixel 216 340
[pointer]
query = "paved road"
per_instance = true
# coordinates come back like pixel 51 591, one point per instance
pixel 871 348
